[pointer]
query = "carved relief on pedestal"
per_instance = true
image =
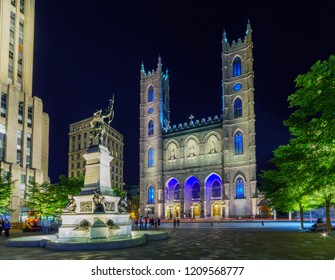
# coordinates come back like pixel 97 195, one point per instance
pixel 109 206
pixel 86 206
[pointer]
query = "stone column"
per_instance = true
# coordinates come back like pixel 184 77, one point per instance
pixel 202 204
pixel 182 206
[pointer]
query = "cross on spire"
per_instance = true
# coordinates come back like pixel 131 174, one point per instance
pixel 191 118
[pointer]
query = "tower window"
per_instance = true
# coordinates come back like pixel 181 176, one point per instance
pixel 151 94
pixel 239 184
pixel 237 67
pixel 237 108
pixel 238 139
pixel 151 195
pixel 151 155
pixel 151 128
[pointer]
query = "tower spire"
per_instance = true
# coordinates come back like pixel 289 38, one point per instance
pixel 249 31
pixel 142 67
pixel 159 64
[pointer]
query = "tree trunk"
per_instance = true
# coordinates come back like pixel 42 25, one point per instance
pixel 301 209
pixel 329 225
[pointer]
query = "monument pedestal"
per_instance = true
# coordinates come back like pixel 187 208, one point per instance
pixel 94 212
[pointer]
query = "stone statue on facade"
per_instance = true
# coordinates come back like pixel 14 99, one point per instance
pixel 98 129
pixel 99 202
pixel 123 205
pixel 70 206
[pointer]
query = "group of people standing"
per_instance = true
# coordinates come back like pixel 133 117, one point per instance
pixel 44 225
pixel 4 226
pixel 144 223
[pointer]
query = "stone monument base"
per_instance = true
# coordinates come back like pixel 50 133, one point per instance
pixel 95 225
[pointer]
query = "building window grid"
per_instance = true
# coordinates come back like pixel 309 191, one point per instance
pixel 2 141
pixel 30 116
pixel 22 6
pixel 20 113
pixel 23 185
pixel 19 147
pixel 28 150
pixel 3 112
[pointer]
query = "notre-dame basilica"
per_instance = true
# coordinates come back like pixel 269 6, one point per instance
pixel 207 167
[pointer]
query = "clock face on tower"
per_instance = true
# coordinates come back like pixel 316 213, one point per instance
pixel 237 86
pixel 150 110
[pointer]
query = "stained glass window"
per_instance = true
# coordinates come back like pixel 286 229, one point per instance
pixel 239 188
pixel 237 67
pixel 151 128
pixel 151 94
pixel 238 143
pixel 151 155
pixel 151 195
pixel 237 108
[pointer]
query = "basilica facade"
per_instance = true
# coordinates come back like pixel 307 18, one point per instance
pixel 200 168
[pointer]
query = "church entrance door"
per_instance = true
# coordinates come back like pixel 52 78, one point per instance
pixel 196 210
pixel 216 210
pixel 176 212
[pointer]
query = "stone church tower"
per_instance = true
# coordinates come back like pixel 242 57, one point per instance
pixel 201 168
pixel 154 118
pixel 239 124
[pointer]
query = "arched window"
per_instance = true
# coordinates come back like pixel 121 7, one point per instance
pixel 238 138
pixel 196 190
pixel 239 184
pixel 237 67
pixel 237 108
pixel 151 195
pixel 216 189
pixel 151 155
pixel 176 192
pixel 151 128
pixel 151 94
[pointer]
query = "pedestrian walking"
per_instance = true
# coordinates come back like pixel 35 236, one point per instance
pixel 262 223
pixel 6 227
pixel 178 222
pixel 158 221
pixel 141 222
pixel 174 222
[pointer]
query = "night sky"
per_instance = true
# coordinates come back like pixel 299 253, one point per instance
pixel 86 51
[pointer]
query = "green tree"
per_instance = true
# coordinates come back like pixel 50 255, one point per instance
pixel 37 198
pixel 49 200
pixel 313 123
pixel 6 190
pixel 60 192
pixel 287 186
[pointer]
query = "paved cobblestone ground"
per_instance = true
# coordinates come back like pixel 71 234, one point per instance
pixel 232 241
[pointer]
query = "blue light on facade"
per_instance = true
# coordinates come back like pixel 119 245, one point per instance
pixel 237 87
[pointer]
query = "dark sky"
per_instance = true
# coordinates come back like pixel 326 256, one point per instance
pixel 86 51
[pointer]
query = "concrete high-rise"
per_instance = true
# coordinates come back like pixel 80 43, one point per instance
pixel 24 127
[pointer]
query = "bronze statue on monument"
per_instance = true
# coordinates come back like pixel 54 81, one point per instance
pixel 98 129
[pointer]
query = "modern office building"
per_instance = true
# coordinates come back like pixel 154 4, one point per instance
pixel 207 167
pixel 24 126
pixel 79 138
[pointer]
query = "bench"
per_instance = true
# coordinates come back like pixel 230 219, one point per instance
pixel 319 227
